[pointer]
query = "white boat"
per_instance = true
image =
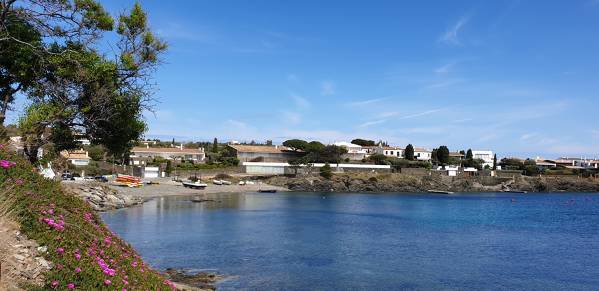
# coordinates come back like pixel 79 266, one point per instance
pixel 225 182
pixel 217 182
pixel 195 185
pixel 241 183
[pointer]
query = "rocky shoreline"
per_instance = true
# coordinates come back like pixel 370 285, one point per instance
pixel 102 197
pixel 372 182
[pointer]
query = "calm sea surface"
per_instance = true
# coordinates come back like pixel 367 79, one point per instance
pixel 312 241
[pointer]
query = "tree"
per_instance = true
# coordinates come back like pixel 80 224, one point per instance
pixel 96 152
pixel 409 152
pixel 469 155
pixel 326 172
pixel 443 155
pixel 29 34
pixel 434 158
pixel 379 159
pixel 494 162
pixel 269 142
pixel 296 144
pixel 215 146
pixel 79 88
pixel 363 142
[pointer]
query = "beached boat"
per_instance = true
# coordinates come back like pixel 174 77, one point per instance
pixel 195 185
pixel 440 192
pixel 515 191
pixel 225 182
pixel 217 182
pixel 241 183
pixel 267 190
pixel 129 181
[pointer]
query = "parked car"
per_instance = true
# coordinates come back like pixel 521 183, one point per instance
pixel 101 179
pixel 67 176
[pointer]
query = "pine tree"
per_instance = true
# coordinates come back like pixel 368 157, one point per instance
pixel 215 146
pixel 409 152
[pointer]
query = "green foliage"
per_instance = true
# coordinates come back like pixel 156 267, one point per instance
pixel 326 172
pixel 443 155
pixel 494 162
pixel 215 146
pixel 469 155
pixel 379 159
pixel 363 142
pixel 296 144
pixel 409 152
pixel 96 152
pixel 397 163
pixel 73 233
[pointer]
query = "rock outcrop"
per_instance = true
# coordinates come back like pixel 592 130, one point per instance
pixel 101 197
pixel 371 182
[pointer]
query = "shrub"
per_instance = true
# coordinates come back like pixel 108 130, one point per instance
pixel 84 251
pixel 326 172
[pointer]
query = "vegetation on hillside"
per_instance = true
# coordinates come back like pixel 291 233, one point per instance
pixel 85 253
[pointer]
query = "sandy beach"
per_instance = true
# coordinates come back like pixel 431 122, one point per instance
pixel 167 187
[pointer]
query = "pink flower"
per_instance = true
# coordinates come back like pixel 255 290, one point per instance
pixel 134 264
pixel 60 251
pixel 51 211
pixel 7 164
pixel 70 286
pixel 54 284
pixel 78 257
pixel 107 282
pixel 77 270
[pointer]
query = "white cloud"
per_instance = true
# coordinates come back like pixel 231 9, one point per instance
pixel 451 35
pixel 527 136
pixel 327 88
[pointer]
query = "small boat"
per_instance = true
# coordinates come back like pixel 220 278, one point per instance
pixel 225 182
pixel 267 190
pixel 195 185
pixel 515 191
pixel 440 192
pixel 217 182
pixel 241 183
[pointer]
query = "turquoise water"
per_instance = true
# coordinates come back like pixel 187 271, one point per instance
pixel 307 241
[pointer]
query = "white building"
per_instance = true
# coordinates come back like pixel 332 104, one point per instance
pixel 422 154
pixel 351 148
pixel 140 155
pixel 396 152
pixel 486 156
pixel 77 157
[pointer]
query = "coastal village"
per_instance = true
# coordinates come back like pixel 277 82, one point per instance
pixel 150 159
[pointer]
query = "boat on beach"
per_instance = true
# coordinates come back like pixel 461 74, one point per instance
pixel 194 185
pixel 267 190
pixel 440 192
pixel 217 182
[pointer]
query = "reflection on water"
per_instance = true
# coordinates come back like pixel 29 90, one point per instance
pixel 307 241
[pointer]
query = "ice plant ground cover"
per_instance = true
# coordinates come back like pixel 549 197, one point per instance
pixel 86 255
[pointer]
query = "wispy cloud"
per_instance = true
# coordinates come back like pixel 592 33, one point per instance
pixel 371 123
pixel 451 35
pixel 419 114
pixel 444 84
pixel 300 101
pixel 445 68
pixel 327 88
pixel 365 102
pixel 292 117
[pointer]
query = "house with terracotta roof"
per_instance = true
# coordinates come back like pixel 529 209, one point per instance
pixel 77 157
pixel 142 155
pixel 264 153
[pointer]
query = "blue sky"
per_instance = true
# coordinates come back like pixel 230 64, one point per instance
pixel 517 77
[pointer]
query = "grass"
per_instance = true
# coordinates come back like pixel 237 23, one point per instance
pixel 86 254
